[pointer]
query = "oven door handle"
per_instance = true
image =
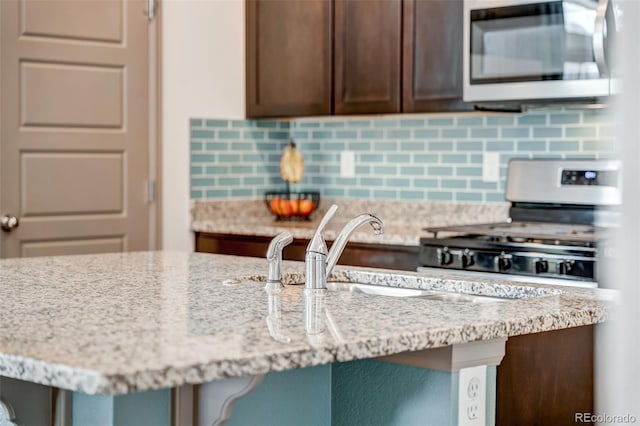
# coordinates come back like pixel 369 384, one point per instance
pixel 599 38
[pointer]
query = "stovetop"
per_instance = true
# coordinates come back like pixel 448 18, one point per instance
pixel 539 250
pixel 521 232
pixel 555 205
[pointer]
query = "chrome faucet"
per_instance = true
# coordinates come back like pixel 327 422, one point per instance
pixel 274 257
pixel 320 261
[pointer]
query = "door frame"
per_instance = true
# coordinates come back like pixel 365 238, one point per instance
pixel 155 129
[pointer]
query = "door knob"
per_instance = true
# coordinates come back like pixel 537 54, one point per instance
pixel 8 223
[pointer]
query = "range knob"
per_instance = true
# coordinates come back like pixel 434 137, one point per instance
pixel 565 267
pixel 542 266
pixel 467 259
pixel 444 256
pixel 504 263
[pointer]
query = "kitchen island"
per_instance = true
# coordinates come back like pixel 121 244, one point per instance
pixel 118 324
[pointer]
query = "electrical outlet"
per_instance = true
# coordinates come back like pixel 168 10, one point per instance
pixel 347 164
pixel 472 387
pixel 472 412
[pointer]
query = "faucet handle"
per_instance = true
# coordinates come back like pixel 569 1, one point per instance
pixel 317 243
pixel 274 257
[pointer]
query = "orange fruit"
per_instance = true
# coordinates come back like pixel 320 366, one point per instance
pixel 274 205
pixel 295 206
pixel 285 208
pixel 305 207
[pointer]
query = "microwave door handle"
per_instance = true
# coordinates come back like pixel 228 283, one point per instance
pixel 599 37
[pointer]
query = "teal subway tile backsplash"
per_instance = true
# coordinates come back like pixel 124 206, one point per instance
pixel 435 158
pixel 571 118
pixel 425 133
pixel 202 134
pixel 499 146
pixel 547 132
pixel 216 123
pixel 581 131
pixel 465 121
pixel 455 133
pixel 515 132
pixel 432 122
pixel 501 120
pixel 363 124
pixel 528 119
pixel 482 133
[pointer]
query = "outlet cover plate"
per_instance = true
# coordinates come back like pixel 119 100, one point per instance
pixel 347 164
pixel 472 396
pixel 491 167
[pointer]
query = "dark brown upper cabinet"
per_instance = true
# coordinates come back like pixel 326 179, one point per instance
pixel 288 59
pixel 432 56
pixel 367 55
pixel 318 57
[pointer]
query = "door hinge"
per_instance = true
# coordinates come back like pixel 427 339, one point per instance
pixel 152 9
pixel 151 191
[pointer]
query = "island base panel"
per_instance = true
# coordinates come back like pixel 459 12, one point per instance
pixel 545 378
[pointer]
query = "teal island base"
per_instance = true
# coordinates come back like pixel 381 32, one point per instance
pixel 445 386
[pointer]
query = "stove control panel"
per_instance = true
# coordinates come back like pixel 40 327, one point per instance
pixel 590 177
pixel 568 265
pixel 564 182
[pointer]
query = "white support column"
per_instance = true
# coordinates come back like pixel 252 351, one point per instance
pixel 454 357
pixel 473 386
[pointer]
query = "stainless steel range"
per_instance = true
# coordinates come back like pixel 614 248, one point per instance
pixel 551 237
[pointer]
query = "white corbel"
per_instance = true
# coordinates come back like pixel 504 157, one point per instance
pixel 6 414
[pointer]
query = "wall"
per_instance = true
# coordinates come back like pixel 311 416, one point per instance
pixel 434 157
pixel 370 392
pixel 300 397
pixel 152 408
pixel 202 75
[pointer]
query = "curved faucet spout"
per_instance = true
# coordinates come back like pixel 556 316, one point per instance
pixel 274 257
pixel 341 241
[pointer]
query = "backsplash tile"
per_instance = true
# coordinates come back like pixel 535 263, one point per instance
pixel 432 158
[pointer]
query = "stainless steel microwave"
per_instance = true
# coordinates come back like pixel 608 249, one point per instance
pixel 518 50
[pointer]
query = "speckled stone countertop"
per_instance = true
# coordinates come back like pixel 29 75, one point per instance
pixel 404 220
pixel 119 323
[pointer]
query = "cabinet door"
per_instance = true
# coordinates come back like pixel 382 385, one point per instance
pixel 432 56
pixel 367 56
pixel 288 57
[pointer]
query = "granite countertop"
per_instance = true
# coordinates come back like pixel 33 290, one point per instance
pixel 119 323
pixel 404 220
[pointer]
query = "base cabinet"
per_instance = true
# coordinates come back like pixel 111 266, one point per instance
pixel 355 254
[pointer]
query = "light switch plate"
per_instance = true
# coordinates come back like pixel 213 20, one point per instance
pixel 491 167
pixel 347 164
